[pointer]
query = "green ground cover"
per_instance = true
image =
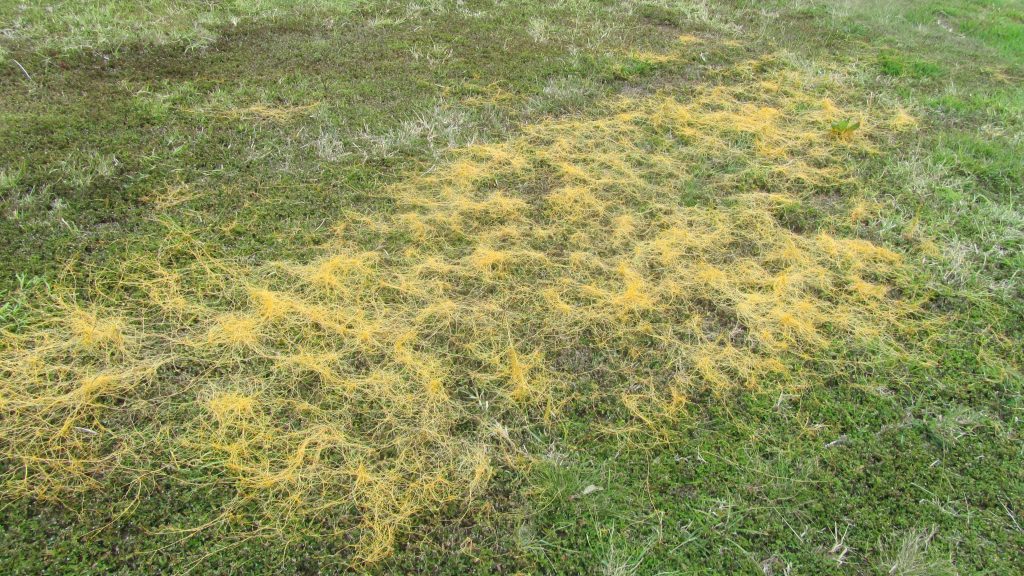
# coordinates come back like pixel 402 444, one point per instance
pixel 646 287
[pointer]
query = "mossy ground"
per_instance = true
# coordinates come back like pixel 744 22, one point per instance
pixel 543 198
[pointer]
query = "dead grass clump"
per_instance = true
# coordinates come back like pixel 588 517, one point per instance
pixel 266 112
pixel 391 376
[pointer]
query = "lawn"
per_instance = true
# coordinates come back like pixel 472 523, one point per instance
pixel 492 287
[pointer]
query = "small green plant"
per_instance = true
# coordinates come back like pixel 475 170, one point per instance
pixel 844 129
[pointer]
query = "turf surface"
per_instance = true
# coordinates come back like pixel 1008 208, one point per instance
pixel 490 287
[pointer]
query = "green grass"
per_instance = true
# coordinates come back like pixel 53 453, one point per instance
pixel 257 124
pixel 72 25
pixel 895 65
